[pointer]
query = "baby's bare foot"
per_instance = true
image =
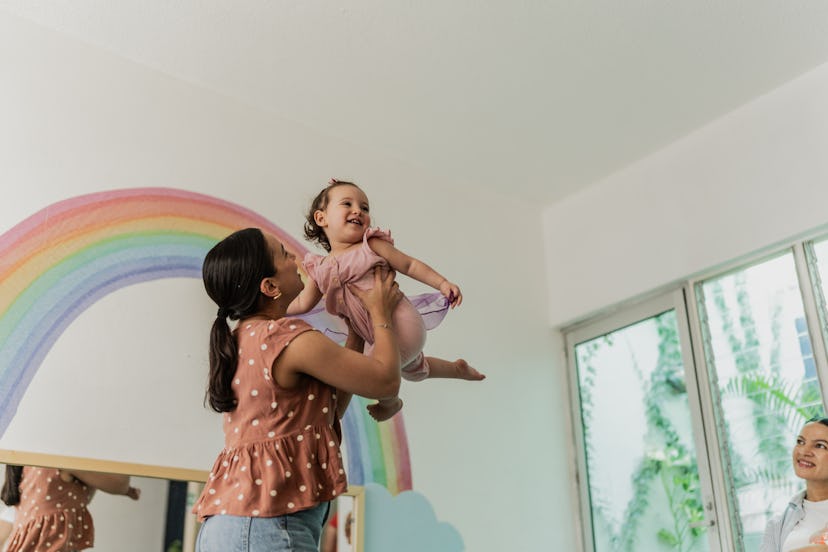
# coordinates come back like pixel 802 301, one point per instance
pixel 384 410
pixel 466 372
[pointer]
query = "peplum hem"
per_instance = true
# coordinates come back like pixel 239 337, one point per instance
pixel 274 477
pixel 54 532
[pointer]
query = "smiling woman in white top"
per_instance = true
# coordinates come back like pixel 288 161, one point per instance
pixel 806 516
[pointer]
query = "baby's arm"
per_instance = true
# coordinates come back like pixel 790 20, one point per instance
pixel 417 269
pixel 306 300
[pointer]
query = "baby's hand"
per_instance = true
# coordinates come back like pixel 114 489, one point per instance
pixel 451 291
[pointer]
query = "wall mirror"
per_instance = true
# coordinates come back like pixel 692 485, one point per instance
pixel 159 520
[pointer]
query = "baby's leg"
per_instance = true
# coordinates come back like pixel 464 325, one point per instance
pixel 459 369
pixel 410 330
pixel 411 336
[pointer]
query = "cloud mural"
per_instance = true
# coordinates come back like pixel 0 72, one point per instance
pixel 405 523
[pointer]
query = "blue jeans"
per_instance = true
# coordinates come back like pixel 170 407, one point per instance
pixel 297 532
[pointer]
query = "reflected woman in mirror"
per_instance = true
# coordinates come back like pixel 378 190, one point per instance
pixel 281 387
pixel 51 506
pixel 803 526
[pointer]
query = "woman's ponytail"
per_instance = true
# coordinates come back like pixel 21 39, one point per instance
pixel 223 359
pixel 232 272
pixel 11 488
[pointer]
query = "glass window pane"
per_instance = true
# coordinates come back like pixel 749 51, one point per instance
pixel 641 460
pixel 764 377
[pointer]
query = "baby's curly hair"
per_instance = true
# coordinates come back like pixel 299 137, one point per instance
pixel 313 232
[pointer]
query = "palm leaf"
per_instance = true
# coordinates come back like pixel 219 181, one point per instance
pixel 773 395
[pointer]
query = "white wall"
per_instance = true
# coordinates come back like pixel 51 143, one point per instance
pixel 491 457
pixel 751 179
pixel 125 525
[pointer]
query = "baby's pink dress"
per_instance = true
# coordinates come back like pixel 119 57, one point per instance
pixel 332 273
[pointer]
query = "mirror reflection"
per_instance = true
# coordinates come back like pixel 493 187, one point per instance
pixel 94 510
pixel 345 529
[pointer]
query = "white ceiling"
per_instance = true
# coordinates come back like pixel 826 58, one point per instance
pixel 527 97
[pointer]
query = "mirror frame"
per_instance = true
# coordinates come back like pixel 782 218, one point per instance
pixel 357 492
pixel 105 466
pixel 196 479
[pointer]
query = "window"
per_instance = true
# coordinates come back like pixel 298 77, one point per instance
pixel 687 406
pixel 759 353
pixel 642 473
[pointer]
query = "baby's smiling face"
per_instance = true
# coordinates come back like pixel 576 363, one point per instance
pixel 346 216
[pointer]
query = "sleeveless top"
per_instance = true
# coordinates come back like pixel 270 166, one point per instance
pixel 52 514
pixel 281 451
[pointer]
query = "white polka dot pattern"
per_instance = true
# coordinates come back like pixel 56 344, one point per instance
pixel 278 442
pixel 52 514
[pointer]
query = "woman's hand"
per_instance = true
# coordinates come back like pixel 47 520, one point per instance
pixel 381 299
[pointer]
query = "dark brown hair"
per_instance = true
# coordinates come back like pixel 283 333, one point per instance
pixel 232 272
pixel 819 420
pixel 11 488
pixel 312 230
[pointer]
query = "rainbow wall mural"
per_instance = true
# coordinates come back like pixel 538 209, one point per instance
pixel 61 260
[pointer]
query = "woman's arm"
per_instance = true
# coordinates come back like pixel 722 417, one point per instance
pixel 107 482
pixel 417 269
pixel 306 300
pixel 328 543
pixel 315 355
pixel 5 530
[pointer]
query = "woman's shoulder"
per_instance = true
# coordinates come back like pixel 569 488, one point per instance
pixel 271 325
pixel 270 334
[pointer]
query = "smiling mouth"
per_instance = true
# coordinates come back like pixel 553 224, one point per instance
pixel 355 221
pixel 805 464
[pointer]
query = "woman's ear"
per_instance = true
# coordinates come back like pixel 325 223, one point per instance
pixel 270 288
